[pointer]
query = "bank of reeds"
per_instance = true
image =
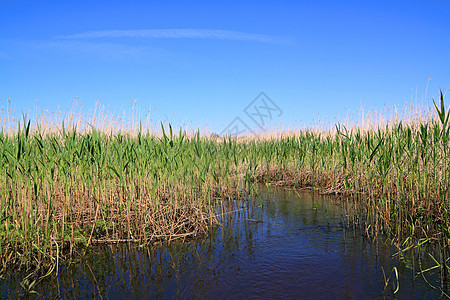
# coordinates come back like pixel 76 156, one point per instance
pixel 63 189
pixel 70 189
pixel 399 174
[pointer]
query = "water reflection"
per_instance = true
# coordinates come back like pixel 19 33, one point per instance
pixel 281 243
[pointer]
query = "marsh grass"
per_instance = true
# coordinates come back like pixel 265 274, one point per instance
pixel 71 189
pixel 65 187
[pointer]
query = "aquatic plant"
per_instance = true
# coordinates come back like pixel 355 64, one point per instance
pixel 65 188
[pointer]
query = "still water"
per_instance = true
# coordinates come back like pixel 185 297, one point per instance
pixel 280 244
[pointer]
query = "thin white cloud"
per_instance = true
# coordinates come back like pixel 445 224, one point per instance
pixel 178 34
pixel 102 49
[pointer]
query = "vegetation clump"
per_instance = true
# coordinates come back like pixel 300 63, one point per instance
pixel 65 189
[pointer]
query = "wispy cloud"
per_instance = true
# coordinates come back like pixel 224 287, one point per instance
pixel 116 50
pixel 103 50
pixel 178 34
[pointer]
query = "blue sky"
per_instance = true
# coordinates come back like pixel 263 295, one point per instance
pixel 192 62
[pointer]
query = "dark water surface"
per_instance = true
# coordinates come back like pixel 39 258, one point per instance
pixel 281 244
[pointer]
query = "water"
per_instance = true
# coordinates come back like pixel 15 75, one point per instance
pixel 281 244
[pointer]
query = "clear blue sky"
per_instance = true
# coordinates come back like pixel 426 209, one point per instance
pixel 204 62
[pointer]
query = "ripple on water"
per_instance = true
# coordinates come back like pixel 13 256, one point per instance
pixel 281 245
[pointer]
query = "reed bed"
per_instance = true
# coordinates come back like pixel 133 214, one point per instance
pixel 62 189
pixel 70 189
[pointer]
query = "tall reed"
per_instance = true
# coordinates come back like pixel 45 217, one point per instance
pixel 66 187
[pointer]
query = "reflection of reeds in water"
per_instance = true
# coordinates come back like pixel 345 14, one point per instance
pixel 68 185
pixel 240 250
